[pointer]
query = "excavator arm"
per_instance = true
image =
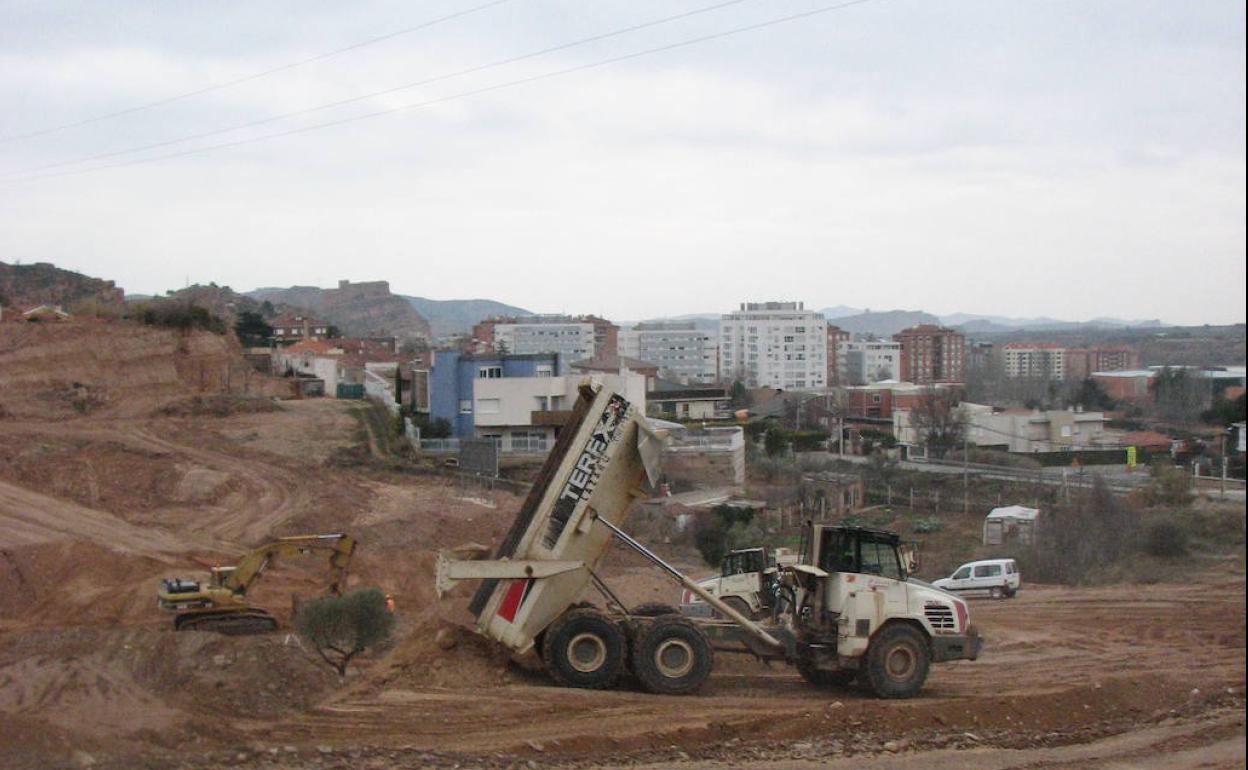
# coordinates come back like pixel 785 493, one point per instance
pixel 338 548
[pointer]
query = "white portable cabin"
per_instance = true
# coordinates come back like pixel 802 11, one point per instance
pixel 1010 523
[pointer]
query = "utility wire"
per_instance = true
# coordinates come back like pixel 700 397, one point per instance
pixel 464 94
pixel 252 76
pixel 384 92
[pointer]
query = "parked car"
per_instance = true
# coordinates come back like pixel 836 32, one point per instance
pixel 997 578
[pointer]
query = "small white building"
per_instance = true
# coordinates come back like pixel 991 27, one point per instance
pixel 1010 524
pixel 521 414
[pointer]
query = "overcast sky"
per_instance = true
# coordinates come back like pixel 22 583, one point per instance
pixel 1069 159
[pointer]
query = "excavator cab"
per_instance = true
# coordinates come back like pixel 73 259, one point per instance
pixel 221 576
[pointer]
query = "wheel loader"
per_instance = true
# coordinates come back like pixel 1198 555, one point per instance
pixel 846 611
pixel 220 603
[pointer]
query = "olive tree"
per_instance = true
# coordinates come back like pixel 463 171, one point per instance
pixel 341 627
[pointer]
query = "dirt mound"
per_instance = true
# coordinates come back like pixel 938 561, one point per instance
pixel 219 405
pixel 420 659
pixel 120 682
pixel 117 368
pixel 77 582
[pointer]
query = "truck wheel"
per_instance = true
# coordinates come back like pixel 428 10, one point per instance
pixel 897 662
pixel 996 593
pixel 584 648
pixel 819 678
pixel 672 656
pixel 653 610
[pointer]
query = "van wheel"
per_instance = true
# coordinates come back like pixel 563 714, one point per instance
pixel 672 656
pixel 996 592
pixel 897 662
pixel 584 648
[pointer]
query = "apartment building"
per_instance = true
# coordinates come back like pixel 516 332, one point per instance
pixel 836 335
pixel 774 345
pixel 1034 360
pixel 682 352
pixel 574 338
pixel 862 362
pixel 931 354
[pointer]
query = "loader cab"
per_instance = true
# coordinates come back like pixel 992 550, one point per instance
pixel 745 561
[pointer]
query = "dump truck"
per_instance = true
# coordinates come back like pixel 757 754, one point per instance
pixel 846 612
pixel 220 603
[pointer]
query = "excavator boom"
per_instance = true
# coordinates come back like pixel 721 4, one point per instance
pixel 220 604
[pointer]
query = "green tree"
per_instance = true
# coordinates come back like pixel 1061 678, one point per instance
pixel 251 329
pixel 1090 395
pixel 339 628
pixel 739 396
pixel 775 441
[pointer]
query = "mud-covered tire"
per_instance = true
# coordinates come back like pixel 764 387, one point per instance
pixel 820 678
pixel 897 662
pixel 653 610
pixel 672 656
pixel 584 648
pixel 996 592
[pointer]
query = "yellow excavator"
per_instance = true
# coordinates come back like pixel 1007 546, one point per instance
pixel 220 604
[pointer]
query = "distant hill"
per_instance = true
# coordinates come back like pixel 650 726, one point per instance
pixel 840 311
pixel 990 323
pixel 42 283
pixel 448 317
pixel 884 323
pixel 365 309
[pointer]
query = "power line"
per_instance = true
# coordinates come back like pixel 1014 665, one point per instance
pixel 254 75
pixel 464 94
pixel 384 92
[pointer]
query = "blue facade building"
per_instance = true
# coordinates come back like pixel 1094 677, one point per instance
pixel 454 375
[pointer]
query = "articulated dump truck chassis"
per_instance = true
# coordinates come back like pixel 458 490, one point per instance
pixel 531 597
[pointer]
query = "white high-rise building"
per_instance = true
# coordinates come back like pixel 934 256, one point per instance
pixel 682 352
pixel 862 362
pixel 774 345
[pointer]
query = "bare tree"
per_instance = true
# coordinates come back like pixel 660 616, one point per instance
pixel 938 421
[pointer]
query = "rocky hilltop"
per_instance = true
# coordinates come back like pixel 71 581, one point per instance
pixel 45 284
pixel 358 309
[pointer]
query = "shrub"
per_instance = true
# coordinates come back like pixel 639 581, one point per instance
pixel 1169 485
pixel 342 627
pixel 775 441
pixel 1165 539
pixel 927 525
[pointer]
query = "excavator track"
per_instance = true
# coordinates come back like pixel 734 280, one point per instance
pixel 231 623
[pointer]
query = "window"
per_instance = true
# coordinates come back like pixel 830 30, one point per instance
pixel 490 373
pixel 880 559
pixel 544 370
pixel 962 574
pixel 488 406
pixel 465 406
pixel 988 570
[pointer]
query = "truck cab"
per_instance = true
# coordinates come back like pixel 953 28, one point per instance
pixel 859 614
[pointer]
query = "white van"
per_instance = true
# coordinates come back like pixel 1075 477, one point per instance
pixel 997 578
